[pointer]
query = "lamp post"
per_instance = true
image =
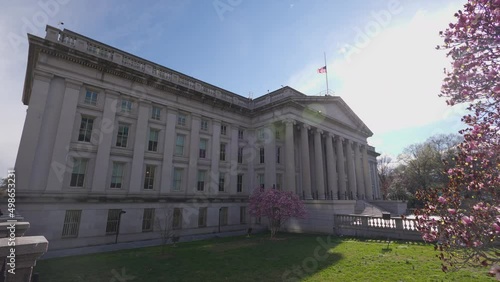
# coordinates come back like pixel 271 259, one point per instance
pixel 118 227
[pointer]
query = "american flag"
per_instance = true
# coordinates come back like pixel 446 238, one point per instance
pixel 322 70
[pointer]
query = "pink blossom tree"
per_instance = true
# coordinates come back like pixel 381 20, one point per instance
pixel 278 206
pixel 467 210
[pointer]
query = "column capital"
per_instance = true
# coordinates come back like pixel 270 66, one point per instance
pixel 318 131
pixel 289 121
pixel 330 134
pixel 339 138
pixel 305 126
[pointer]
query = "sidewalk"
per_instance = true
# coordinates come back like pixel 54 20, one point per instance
pixel 131 245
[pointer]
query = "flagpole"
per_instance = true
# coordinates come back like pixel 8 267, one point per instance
pixel 326 72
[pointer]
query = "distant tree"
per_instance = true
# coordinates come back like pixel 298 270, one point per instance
pixel 164 227
pixel 385 173
pixel 278 206
pixel 468 207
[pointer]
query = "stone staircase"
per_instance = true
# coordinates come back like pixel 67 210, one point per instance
pixel 364 208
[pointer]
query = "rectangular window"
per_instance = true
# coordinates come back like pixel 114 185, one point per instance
pixel 279 181
pixel 117 175
pixel 240 155
pixel 71 223
pixel 112 222
pixel 78 173
pixel 155 113
pixel 153 140
pixel 149 177
pixel 179 145
pixel 277 134
pixel 85 129
pixel 261 155
pixel 261 134
pixel 240 134
pixel 204 125
pixel 148 220
pixel 181 119
pixel 239 183
pixel 278 155
pixel 202 217
pixel 122 136
pixel 203 148
pixel 222 180
pixel 90 98
pixel 243 215
pixel 260 177
pixel 223 129
pixel 177 179
pixel 201 180
pixel 177 219
pixel 223 216
pixel 222 152
pixel 126 106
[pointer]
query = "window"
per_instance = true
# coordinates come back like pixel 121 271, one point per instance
pixel 240 155
pixel 113 219
pixel 261 134
pixel 177 219
pixel 204 125
pixel 223 129
pixel 239 183
pixel 181 119
pixel 260 178
pixel 85 129
pixel 126 106
pixel 117 175
pixel 155 113
pixel 148 219
pixel 201 180
pixel 240 134
pixel 90 98
pixel 153 140
pixel 279 181
pixel 222 151
pixel 223 216
pixel 149 177
pixel 261 155
pixel 277 134
pixel 202 217
pixel 203 148
pixel 71 223
pixel 122 136
pixel 222 180
pixel 278 155
pixel 179 145
pixel 177 179
pixel 243 215
pixel 78 173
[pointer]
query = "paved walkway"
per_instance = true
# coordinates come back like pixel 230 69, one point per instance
pixel 131 245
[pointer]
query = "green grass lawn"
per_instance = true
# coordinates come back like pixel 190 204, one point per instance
pixel 287 258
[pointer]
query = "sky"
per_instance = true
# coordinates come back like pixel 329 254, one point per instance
pixel 380 54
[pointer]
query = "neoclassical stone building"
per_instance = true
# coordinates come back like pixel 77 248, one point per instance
pixel 110 137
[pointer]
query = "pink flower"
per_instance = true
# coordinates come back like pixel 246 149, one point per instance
pixel 496 227
pixel 442 200
pixel 452 211
pixel 467 220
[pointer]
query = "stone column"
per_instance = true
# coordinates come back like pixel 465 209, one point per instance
pixel 168 152
pixel 331 167
pixel 233 159
pixel 341 167
pixel 104 133
pixel 360 185
pixel 214 170
pixel 320 176
pixel 48 132
pixel 31 130
pixel 194 146
pixel 64 132
pixel 368 179
pixel 270 157
pixel 306 169
pixel 141 129
pixel 27 251
pixel 289 156
pixel 350 169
